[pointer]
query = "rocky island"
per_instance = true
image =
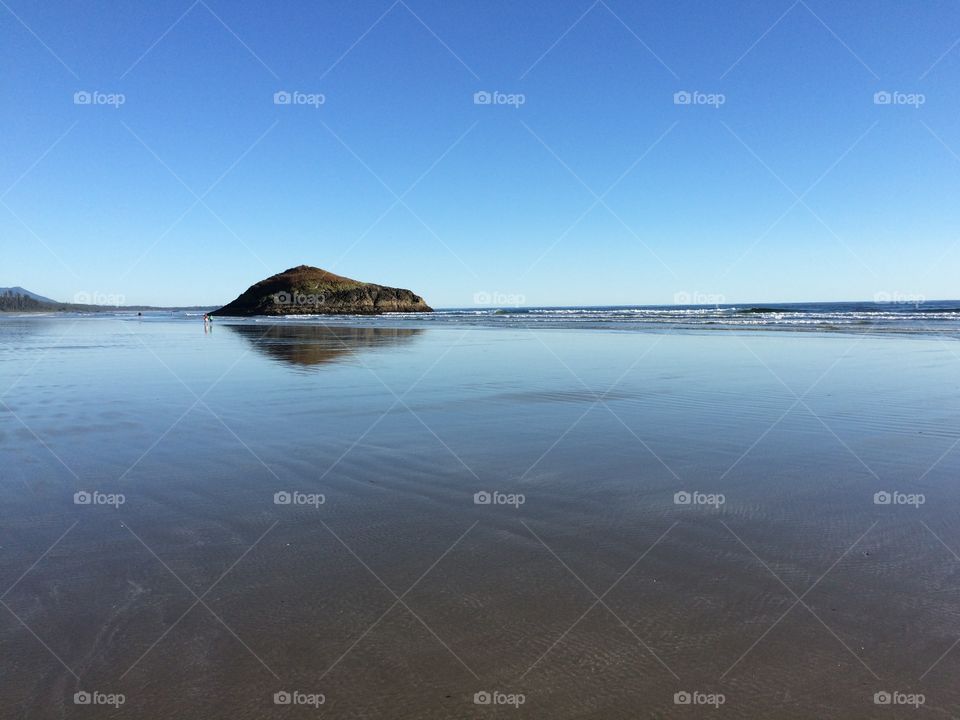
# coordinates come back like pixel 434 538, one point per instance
pixel 306 290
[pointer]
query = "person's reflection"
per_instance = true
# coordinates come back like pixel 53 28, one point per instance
pixel 312 345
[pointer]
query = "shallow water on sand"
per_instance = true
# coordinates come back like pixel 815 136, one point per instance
pixel 601 595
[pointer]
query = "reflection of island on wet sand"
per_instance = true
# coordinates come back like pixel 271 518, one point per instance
pixel 319 344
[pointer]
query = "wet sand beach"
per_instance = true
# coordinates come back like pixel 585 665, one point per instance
pixel 580 523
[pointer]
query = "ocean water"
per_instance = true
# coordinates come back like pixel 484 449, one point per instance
pixel 922 317
pixel 584 509
pixel 918 317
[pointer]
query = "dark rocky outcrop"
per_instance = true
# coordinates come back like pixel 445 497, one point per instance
pixel 306 290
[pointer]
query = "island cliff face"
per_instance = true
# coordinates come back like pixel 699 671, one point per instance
pixel 306 290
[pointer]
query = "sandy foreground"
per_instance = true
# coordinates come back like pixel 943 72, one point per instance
pixel 678 525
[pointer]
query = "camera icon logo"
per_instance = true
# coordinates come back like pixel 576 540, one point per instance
pixel 482 498
pixel 682 97
pixel 282 698
pixel 282 498
pixel 882 698
pixel 82 498
pixel 282 97
pixel 882 98
pixel 682 698
pixel 682 498
pixel 882 498
pixel 482 97
pixel 82 698
pixel 482 698
pixel 82 97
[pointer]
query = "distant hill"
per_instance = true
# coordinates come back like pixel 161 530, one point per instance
pixel 12 301
pixel 22 291
pixel 306 290
pixel 19 300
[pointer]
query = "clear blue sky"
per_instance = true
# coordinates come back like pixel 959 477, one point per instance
pixel 104 199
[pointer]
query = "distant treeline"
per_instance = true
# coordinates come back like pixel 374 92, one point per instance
pixel 14 302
